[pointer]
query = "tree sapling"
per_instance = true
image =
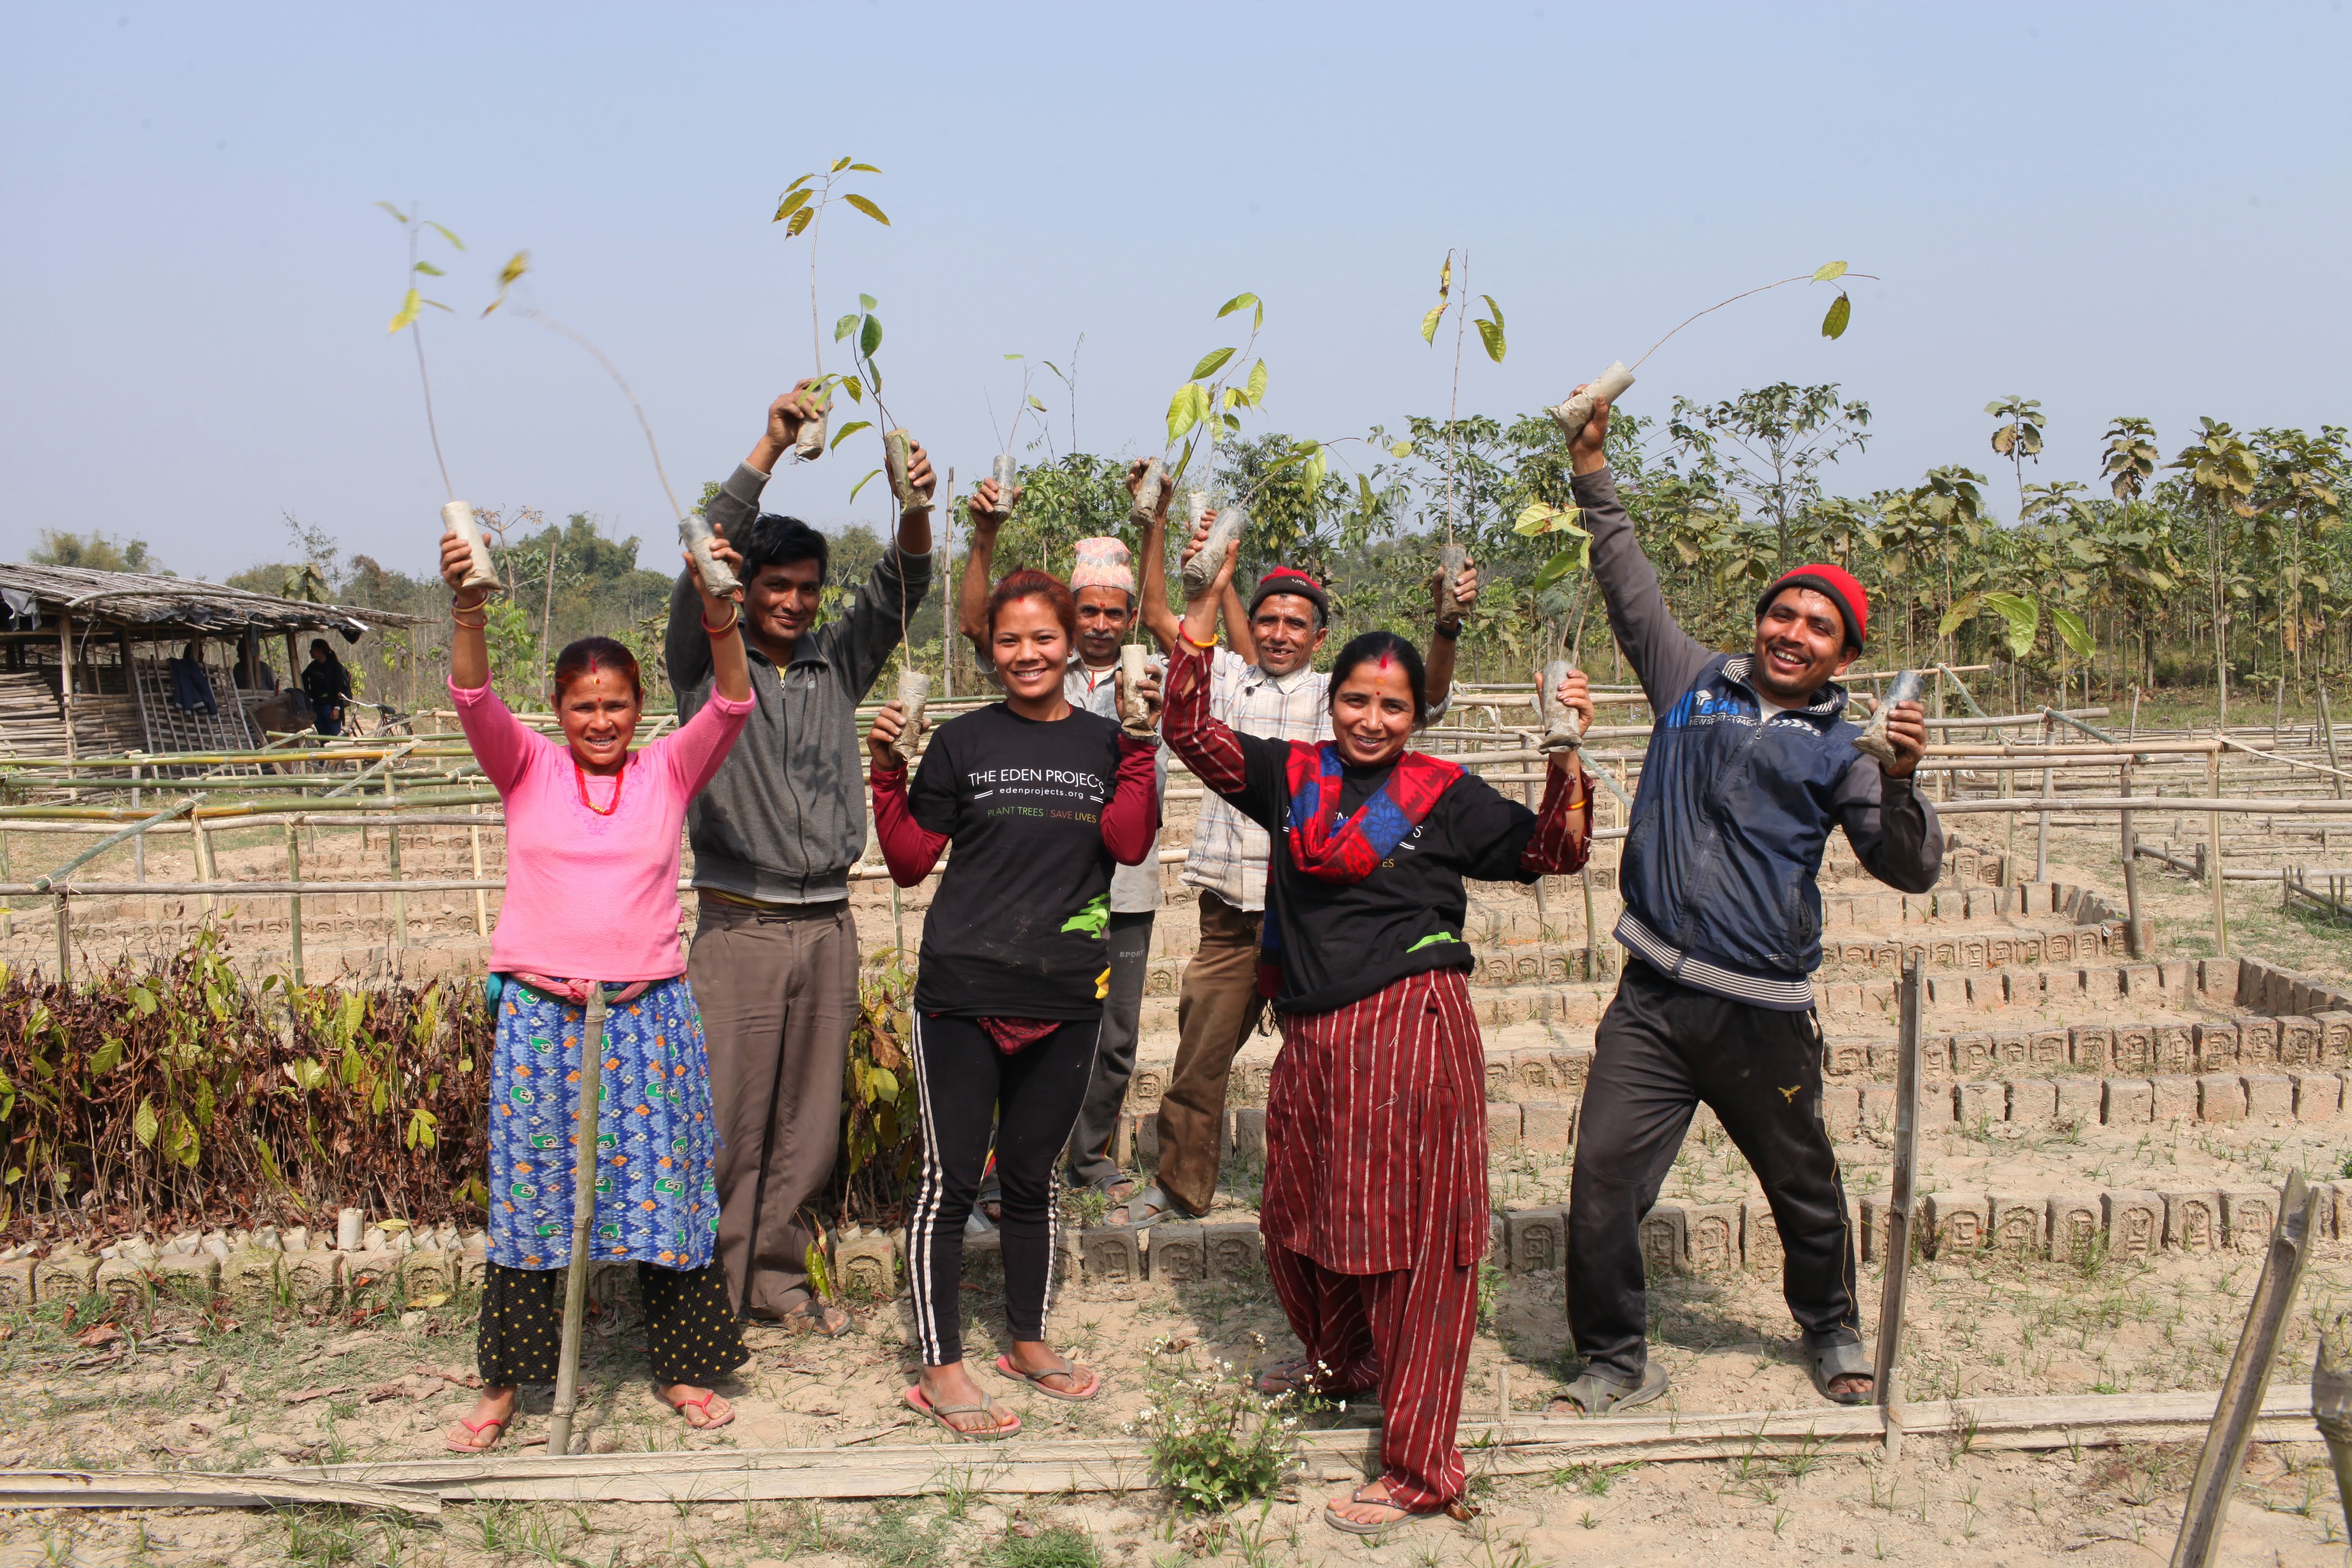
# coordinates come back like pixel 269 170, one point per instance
pixel 801 209
pixel 457 517
pixel 1563 726
pixel 1451 558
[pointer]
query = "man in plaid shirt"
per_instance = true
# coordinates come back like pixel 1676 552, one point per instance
pixel 1263 683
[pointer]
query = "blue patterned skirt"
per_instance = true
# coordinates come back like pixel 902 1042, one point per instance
pixel 656 1200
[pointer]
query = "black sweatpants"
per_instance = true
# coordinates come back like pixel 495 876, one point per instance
pixel 1661 1050
pixel 691 1336
pixel 1029 1099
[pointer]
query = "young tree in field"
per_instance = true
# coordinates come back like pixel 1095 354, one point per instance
pixel 2296 507
pixel 1773 444
pixel 2131 458
pixel 2019 439
pixel 2221 470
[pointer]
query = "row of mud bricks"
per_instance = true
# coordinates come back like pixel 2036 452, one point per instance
pixel 323 1278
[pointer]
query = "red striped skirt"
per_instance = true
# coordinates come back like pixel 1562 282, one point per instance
pixel 1376 1131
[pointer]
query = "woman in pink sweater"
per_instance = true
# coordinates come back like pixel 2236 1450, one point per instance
pixel 592 899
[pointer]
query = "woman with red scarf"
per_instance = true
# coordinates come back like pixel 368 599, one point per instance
pixel 1375 1204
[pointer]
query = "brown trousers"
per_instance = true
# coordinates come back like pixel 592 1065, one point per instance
pixel 778 992
pixel 1215 1011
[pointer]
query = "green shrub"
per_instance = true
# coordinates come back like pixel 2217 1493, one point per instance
pixel 1213 1439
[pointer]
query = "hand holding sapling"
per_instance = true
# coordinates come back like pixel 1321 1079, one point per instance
pixel 1147 483
pixel 790 419
pixel 1897 731
pixel 1201 603
pixel 882 740
pixel 1455 585
pixel 909 472
pixel 1138 691
pixel 1216 538
pixel 987 510
pixel 1564 698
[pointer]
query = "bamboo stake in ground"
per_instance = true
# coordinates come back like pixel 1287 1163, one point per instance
pixel 2250 1376
pixel 481 897
pixel 65 943
pixel 2134 938
pixel 2213 833
pixel 584 1161
pixel 294 901
pixel 1887 1379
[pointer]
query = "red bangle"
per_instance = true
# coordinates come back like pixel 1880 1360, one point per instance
pixel 735 621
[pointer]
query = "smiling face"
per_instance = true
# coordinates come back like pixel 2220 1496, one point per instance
pixel 1030 647
pixel 779 603
pixel 1371 712
pixel 1287 635
pixel 599 712
pixel 1104 616
pixel 1800 646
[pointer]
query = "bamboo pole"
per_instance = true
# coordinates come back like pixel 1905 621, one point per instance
pixel 205 868
pixel 294 901
pixel 2214 831
pixel 399 900
pixel 1886 1380
pixel 584 1159
pixel 2133 940
pixel 65 941
pixel 481 897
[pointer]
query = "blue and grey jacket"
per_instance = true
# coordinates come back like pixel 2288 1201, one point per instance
pixel 1735 810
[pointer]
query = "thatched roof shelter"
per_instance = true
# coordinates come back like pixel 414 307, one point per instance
pixel 89 657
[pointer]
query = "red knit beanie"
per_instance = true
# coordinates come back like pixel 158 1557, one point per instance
pixel 1834 582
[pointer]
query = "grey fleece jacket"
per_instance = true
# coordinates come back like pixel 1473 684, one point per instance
pixel 785 818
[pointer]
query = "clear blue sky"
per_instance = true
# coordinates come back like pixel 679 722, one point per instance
pixel 2116 209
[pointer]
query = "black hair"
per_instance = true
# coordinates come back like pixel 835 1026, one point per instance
pixel 590 655
pixel 319 646
pixel 1368 646
pixel 775 540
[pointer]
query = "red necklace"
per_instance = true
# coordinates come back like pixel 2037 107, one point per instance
pixel 581 773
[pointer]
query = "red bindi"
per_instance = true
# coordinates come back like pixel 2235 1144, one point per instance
pixel 1384 661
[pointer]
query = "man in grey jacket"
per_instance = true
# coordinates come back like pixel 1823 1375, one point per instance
pixel 774 960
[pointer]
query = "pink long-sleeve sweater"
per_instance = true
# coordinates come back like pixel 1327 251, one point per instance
pixel 590 896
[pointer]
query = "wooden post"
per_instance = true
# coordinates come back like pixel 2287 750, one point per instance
pixel 294 901
pixel 138 844
pixel 66 681
pixel 65 942
pixel 2213 862
pixel 399 901
pixel 7 911
pixel 2133 940
pixel 1886 1380
pixel 2049 788
pixel 2133 732
pixel 204 862
pixel 2327 728
pixel 482 895
pixel 584 1159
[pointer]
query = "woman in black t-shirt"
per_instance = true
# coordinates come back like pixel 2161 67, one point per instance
pixel 1038 799
pixel 1375 1210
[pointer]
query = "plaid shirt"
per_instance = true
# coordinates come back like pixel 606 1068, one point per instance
pixel 1229 851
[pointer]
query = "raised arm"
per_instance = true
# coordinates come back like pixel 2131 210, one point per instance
pixel 1445 634
pixel 1130 818
pixel 908 848
pixel 1158 618
pixel 978 569
pixel 1246 770
pixel 877 622
pixel 1665 658
pixel 1890 824
pixel 500 742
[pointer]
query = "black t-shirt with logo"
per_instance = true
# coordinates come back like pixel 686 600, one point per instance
pixel 1016 928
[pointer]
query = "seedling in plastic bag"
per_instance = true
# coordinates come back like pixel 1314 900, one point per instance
pixel 801 209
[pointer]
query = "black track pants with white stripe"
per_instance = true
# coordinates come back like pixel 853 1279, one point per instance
pixel 969 1088
pixel 1662 1049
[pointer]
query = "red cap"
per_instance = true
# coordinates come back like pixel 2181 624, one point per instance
pixel 1835 582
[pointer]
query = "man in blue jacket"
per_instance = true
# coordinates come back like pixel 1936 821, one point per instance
pixel 1750 767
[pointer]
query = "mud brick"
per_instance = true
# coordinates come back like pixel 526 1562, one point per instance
pixel 1711 1238
pixel 2077 1101
pixel 2122 1099
pixel 1971 1056
pixel 1536 1240
pixel 1663 1233
pixel 1145 1088
pixel 2270 1096
pixel 1503 1124
pixel 2216 1047
pixel 1237 1251
pixel 1760 1238
pixel 2318 1095
pixel 2335 1038
pixel 2192 1221
pixel 1107 1254
pixel 16 1284
pixel 250 1275
pixel 1841 1109
pixel 2217 980
pixel 473 1265
pixel 1978 1100
pixel 2248 1216
pixel 2065 985
pixel 2135 1049
pixel 2176 1098
pixel 192 1276
pixel 2299 1041
pixel 1878 1105
pixel 1873 1220
pixel 2093 1047
pixel 2032 1102
pixel 1934 1056
pixel 315 1277
pixel 2143 982
pixel 1179 1252
pixel 2047 1050
pixel 864 1265
pixel 1574 1065
pixel 2134 1223
pixel 2013 1050
pixel 1498 1080
pixel 2021 988
pixel 1848 1055
pixel 1547 1125
pixel 1988 993
pixel 1944 992
pixel 1878 996
pixel 2336 1210
pixel 2221 1097
pixel 66 1277
pixel 1954 1223
pixel 2072 1225
pixel 2018 1222
pixel 1147 1141
pixel 1498 1244
pixel 371 1276
pixel 2258 1039
pixel 2178 977
pixel 983 1256
pixel 124 1281
pixel 1939 1106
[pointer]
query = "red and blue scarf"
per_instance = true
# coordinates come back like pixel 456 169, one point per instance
pixel 1333 849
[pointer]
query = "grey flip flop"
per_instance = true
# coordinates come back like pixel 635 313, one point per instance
pixel 1340 1522
pixel 1161 1205
pixel 940 1413
pixel 1597 1396
pixel 1005 1365
pixel 1830 1363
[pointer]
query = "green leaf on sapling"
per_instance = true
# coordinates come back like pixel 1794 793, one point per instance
pixel 1211 363
pixel 800 222
pixel 1553 570
pixel 429 270
pixel 869 338
pixel 1017 356
pixel 1237 303
pixel 1491 334
pixel 865 301
pixel 1534 518
pixel 1401 450
pixel 1829 272
pixel 1035 404
pixel 869 210
pixel 1841 312
pixel 846 431
pixel 444 232
pixel 517 264
pixel 860 485
pixel 791 203
pixel 409 304
pixel 1233 422
pixel 1495 308
pixel 1257 382
pixel 863 169
pixel 394 211
pixel 855 388
pixel 1182 415
pixel 1429 325
pixel 843 327
pixel 2076 633
pixel 796 184
pixel 839 164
